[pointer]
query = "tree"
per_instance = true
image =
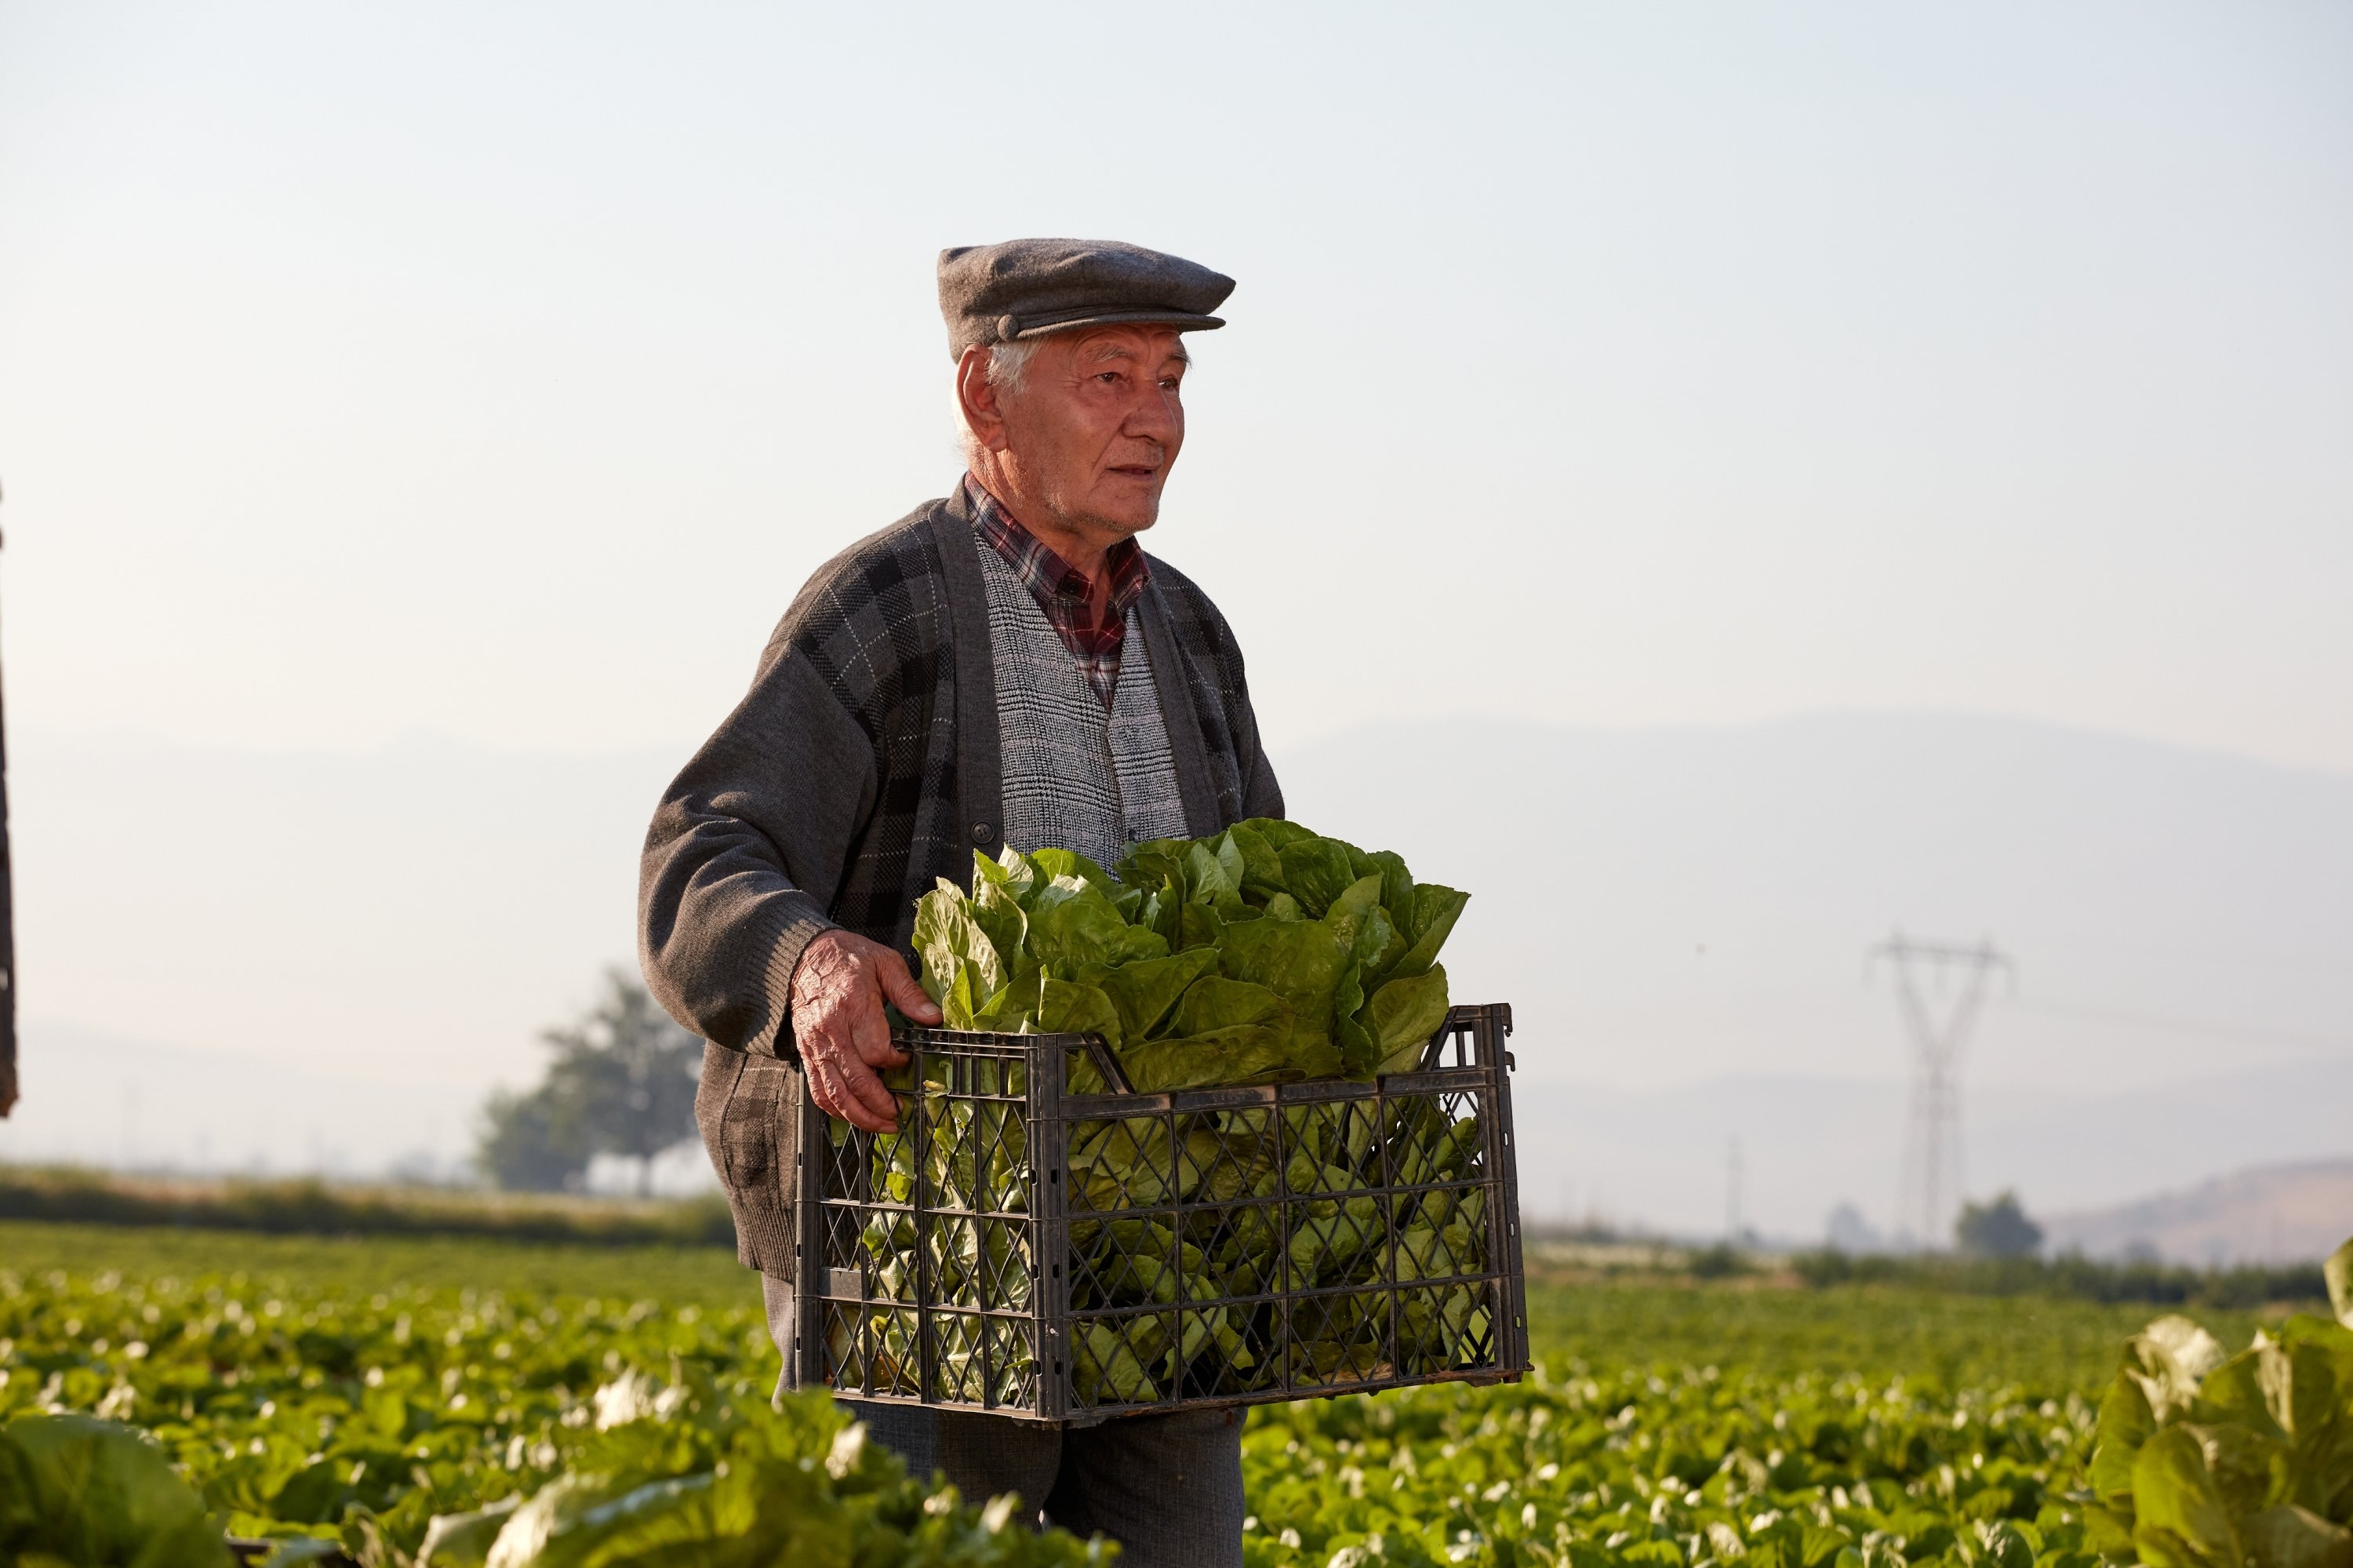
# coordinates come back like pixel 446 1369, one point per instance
pixel 531 1142
pixel 622 1082
pixel 1999 1229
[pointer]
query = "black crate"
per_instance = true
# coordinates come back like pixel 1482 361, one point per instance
pixel 1029 1250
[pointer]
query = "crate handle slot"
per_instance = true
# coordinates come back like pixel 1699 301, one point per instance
pixel 1106 1064
pixel 1435 1050
pixel 1463 1021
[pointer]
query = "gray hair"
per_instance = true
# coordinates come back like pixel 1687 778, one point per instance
pixel 1009 364
pixel 1008 371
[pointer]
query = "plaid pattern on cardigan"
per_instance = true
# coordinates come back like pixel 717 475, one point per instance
pixel 861 766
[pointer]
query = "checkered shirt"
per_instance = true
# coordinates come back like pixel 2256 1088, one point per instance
pixel 1064 592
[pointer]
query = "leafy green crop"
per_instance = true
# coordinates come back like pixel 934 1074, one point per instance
pixel 353 1391
pixel 450 1429
pixel 1670 1467
pixel 1266 954
pixel 2208 1460
pixel 691 1474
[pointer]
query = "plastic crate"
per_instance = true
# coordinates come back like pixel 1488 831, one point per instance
pixel 1027 1250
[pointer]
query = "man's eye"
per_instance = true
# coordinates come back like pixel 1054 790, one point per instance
pixel 1108 377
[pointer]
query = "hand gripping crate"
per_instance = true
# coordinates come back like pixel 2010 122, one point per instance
pixel 1026 1247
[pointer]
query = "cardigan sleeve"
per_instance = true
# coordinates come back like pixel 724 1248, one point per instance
pixel 746 853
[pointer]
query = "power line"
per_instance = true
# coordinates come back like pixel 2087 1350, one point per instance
pixel 1931 1175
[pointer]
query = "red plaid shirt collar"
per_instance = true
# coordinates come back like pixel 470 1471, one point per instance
pixel 1063 591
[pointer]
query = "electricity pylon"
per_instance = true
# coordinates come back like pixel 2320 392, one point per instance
pixel 1931 1176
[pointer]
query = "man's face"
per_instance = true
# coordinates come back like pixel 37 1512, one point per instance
pixel 1095 427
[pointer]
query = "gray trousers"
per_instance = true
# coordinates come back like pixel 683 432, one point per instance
pixel 1167 1487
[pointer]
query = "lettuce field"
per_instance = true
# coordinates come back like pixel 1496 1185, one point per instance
pixel 473 1403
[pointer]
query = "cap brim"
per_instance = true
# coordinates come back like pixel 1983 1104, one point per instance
pixel 1183 320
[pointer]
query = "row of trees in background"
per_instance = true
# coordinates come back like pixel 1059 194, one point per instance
pixel 1999 1229
pixel 621 1083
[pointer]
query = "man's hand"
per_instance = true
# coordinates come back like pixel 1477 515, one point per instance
pixel 838 990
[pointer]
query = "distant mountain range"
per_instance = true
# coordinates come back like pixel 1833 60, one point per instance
pixel 2274 1214
pixel 1661 1158
pixel 352 950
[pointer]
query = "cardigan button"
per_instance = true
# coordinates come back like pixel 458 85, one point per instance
pixel 982 832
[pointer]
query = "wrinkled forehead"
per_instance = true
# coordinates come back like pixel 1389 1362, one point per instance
pixel 1150 346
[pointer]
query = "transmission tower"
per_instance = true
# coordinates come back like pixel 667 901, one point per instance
pixel 1931 1175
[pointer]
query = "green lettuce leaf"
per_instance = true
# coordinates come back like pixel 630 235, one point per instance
pixel 1198 926
pixel 1140 943
pixel 1299 960
pixel 1397 886
pixel 1216 1003
pixel 1072 924
pixel 1345 916
pixel 1144 991
pixel 2289 1536
pixel 1055 863
pixel 2183 1522
pixel 947 938
pixel 1435 910
pixel 1213 876
pixel 1360 1054
pixel 1067 1007
pixel 1152 861
pixel 998 914
pixel 1123 1164
pixel 1012 868
pixel 1261 866
pixel 82 1490
pixel 1402 1015
pixel 1278 833
pixel 1316 870
pixel 1239 1053
pixel 1111 1359
pixel 1221 1032
pixel 1014 1010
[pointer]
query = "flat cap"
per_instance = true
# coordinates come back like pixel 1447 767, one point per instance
pixel 1026 288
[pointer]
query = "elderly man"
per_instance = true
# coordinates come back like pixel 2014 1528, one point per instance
pixel 1003 667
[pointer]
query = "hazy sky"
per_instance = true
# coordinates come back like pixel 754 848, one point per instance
pixel 383 385
pixel 501 371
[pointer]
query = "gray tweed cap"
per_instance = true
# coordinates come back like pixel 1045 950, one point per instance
pixel 1028 287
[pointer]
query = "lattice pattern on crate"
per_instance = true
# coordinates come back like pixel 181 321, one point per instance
pixel 1293 1246
pixel 936 1214
pixel 1224 1245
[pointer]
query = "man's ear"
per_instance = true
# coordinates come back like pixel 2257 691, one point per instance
pixel 984 412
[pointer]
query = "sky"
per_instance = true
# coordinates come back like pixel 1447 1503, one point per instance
pixel 499 372
pixel 382 389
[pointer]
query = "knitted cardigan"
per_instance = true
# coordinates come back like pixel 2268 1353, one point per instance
pixel 862 766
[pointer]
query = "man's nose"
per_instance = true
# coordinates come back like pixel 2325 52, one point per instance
pixel 1154 417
